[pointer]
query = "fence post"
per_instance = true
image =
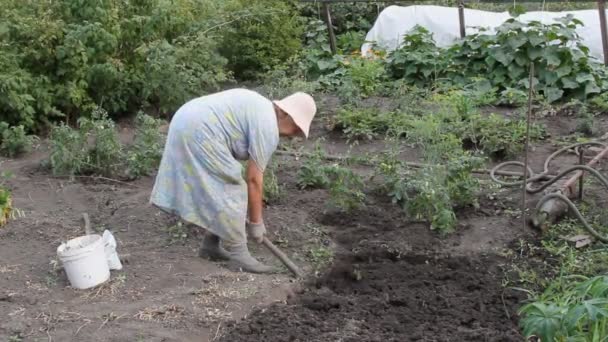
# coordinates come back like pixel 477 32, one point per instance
pixel 330 28
pixel 461 18
pixel 601 6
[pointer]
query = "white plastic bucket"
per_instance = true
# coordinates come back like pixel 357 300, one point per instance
pixel 84 261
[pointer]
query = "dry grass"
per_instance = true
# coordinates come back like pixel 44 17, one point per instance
pixel 6 269
pixel 108 289
pixel 225 287
pixel 161 314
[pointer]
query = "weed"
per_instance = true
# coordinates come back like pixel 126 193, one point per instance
pixel 14 141
pixel 145 154
pixel 320 256
pixel 6 206
pixel 272 191
pixel 586 124
pixel 513 97
pixel 15 338
pixel 600 102
pixel 178 233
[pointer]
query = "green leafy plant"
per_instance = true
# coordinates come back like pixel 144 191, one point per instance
pixel 266 33
pixel 600 102
pixel 418 60
pixel 14 141
pixel 6 205
pixel 367 75
pixel 345 186
pixel 569 311
pixel 145 154
pixel 272 191
pixel 92 148
pixel 370 123
pixel 561 71
pixel 432 193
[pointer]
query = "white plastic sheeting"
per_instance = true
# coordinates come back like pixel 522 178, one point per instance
pixel 396 21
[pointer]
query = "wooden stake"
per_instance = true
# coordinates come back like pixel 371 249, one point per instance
pixel 330 28
pixel 527 146
pixel 461 18
pixel 601 6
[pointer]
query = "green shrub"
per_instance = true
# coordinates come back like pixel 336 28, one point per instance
pixel 14 141
pixel 265 33
pixel 93 148
pixel 65 58
pixel 144 156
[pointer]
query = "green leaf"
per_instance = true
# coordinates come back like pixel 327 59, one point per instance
pixel 550 77
pixel 326 65
pixel 592 88
pixel 517 41
pixel 541 320
pixel 535 39
pixel 534 52
pixel 553 59
pixel 563 70
pixel 521 59
pixel 502 56
pixel 553 94
pixel 569 83
pixel 515 71
pixel 584 77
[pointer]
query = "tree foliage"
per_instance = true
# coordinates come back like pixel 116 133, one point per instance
pixel 64 58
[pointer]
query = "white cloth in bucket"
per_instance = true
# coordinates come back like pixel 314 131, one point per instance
pixel 110 249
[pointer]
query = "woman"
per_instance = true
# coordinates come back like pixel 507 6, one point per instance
pixel 200 177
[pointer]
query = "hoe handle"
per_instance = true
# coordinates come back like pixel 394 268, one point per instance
pixel 284 259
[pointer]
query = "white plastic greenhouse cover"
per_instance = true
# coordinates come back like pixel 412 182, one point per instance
pixel 396 21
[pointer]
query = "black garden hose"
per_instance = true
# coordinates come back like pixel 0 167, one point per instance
pixel 550 180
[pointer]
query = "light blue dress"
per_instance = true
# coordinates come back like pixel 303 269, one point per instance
pixel 200 176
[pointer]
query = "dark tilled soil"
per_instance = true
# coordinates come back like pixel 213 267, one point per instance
pixel 391 284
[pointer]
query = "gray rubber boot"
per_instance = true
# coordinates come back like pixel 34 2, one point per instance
pixel 211 248
pixel 240 257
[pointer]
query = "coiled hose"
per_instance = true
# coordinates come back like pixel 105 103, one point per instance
pixel 550 180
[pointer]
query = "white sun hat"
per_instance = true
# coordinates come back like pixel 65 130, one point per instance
pixel 301 108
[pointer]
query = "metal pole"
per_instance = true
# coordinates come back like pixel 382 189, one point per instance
pixel 330 28
pixel 601 6
pixel 461 18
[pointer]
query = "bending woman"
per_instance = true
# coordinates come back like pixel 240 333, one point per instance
pixel 200 176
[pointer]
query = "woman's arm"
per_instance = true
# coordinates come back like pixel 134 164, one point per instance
pixel 255 189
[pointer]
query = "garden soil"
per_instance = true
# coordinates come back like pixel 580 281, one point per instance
pixel 391 279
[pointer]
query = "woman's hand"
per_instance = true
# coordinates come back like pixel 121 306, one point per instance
pixel 255 189
pixel 256 231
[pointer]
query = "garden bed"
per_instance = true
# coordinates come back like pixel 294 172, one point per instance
pixel 374 273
